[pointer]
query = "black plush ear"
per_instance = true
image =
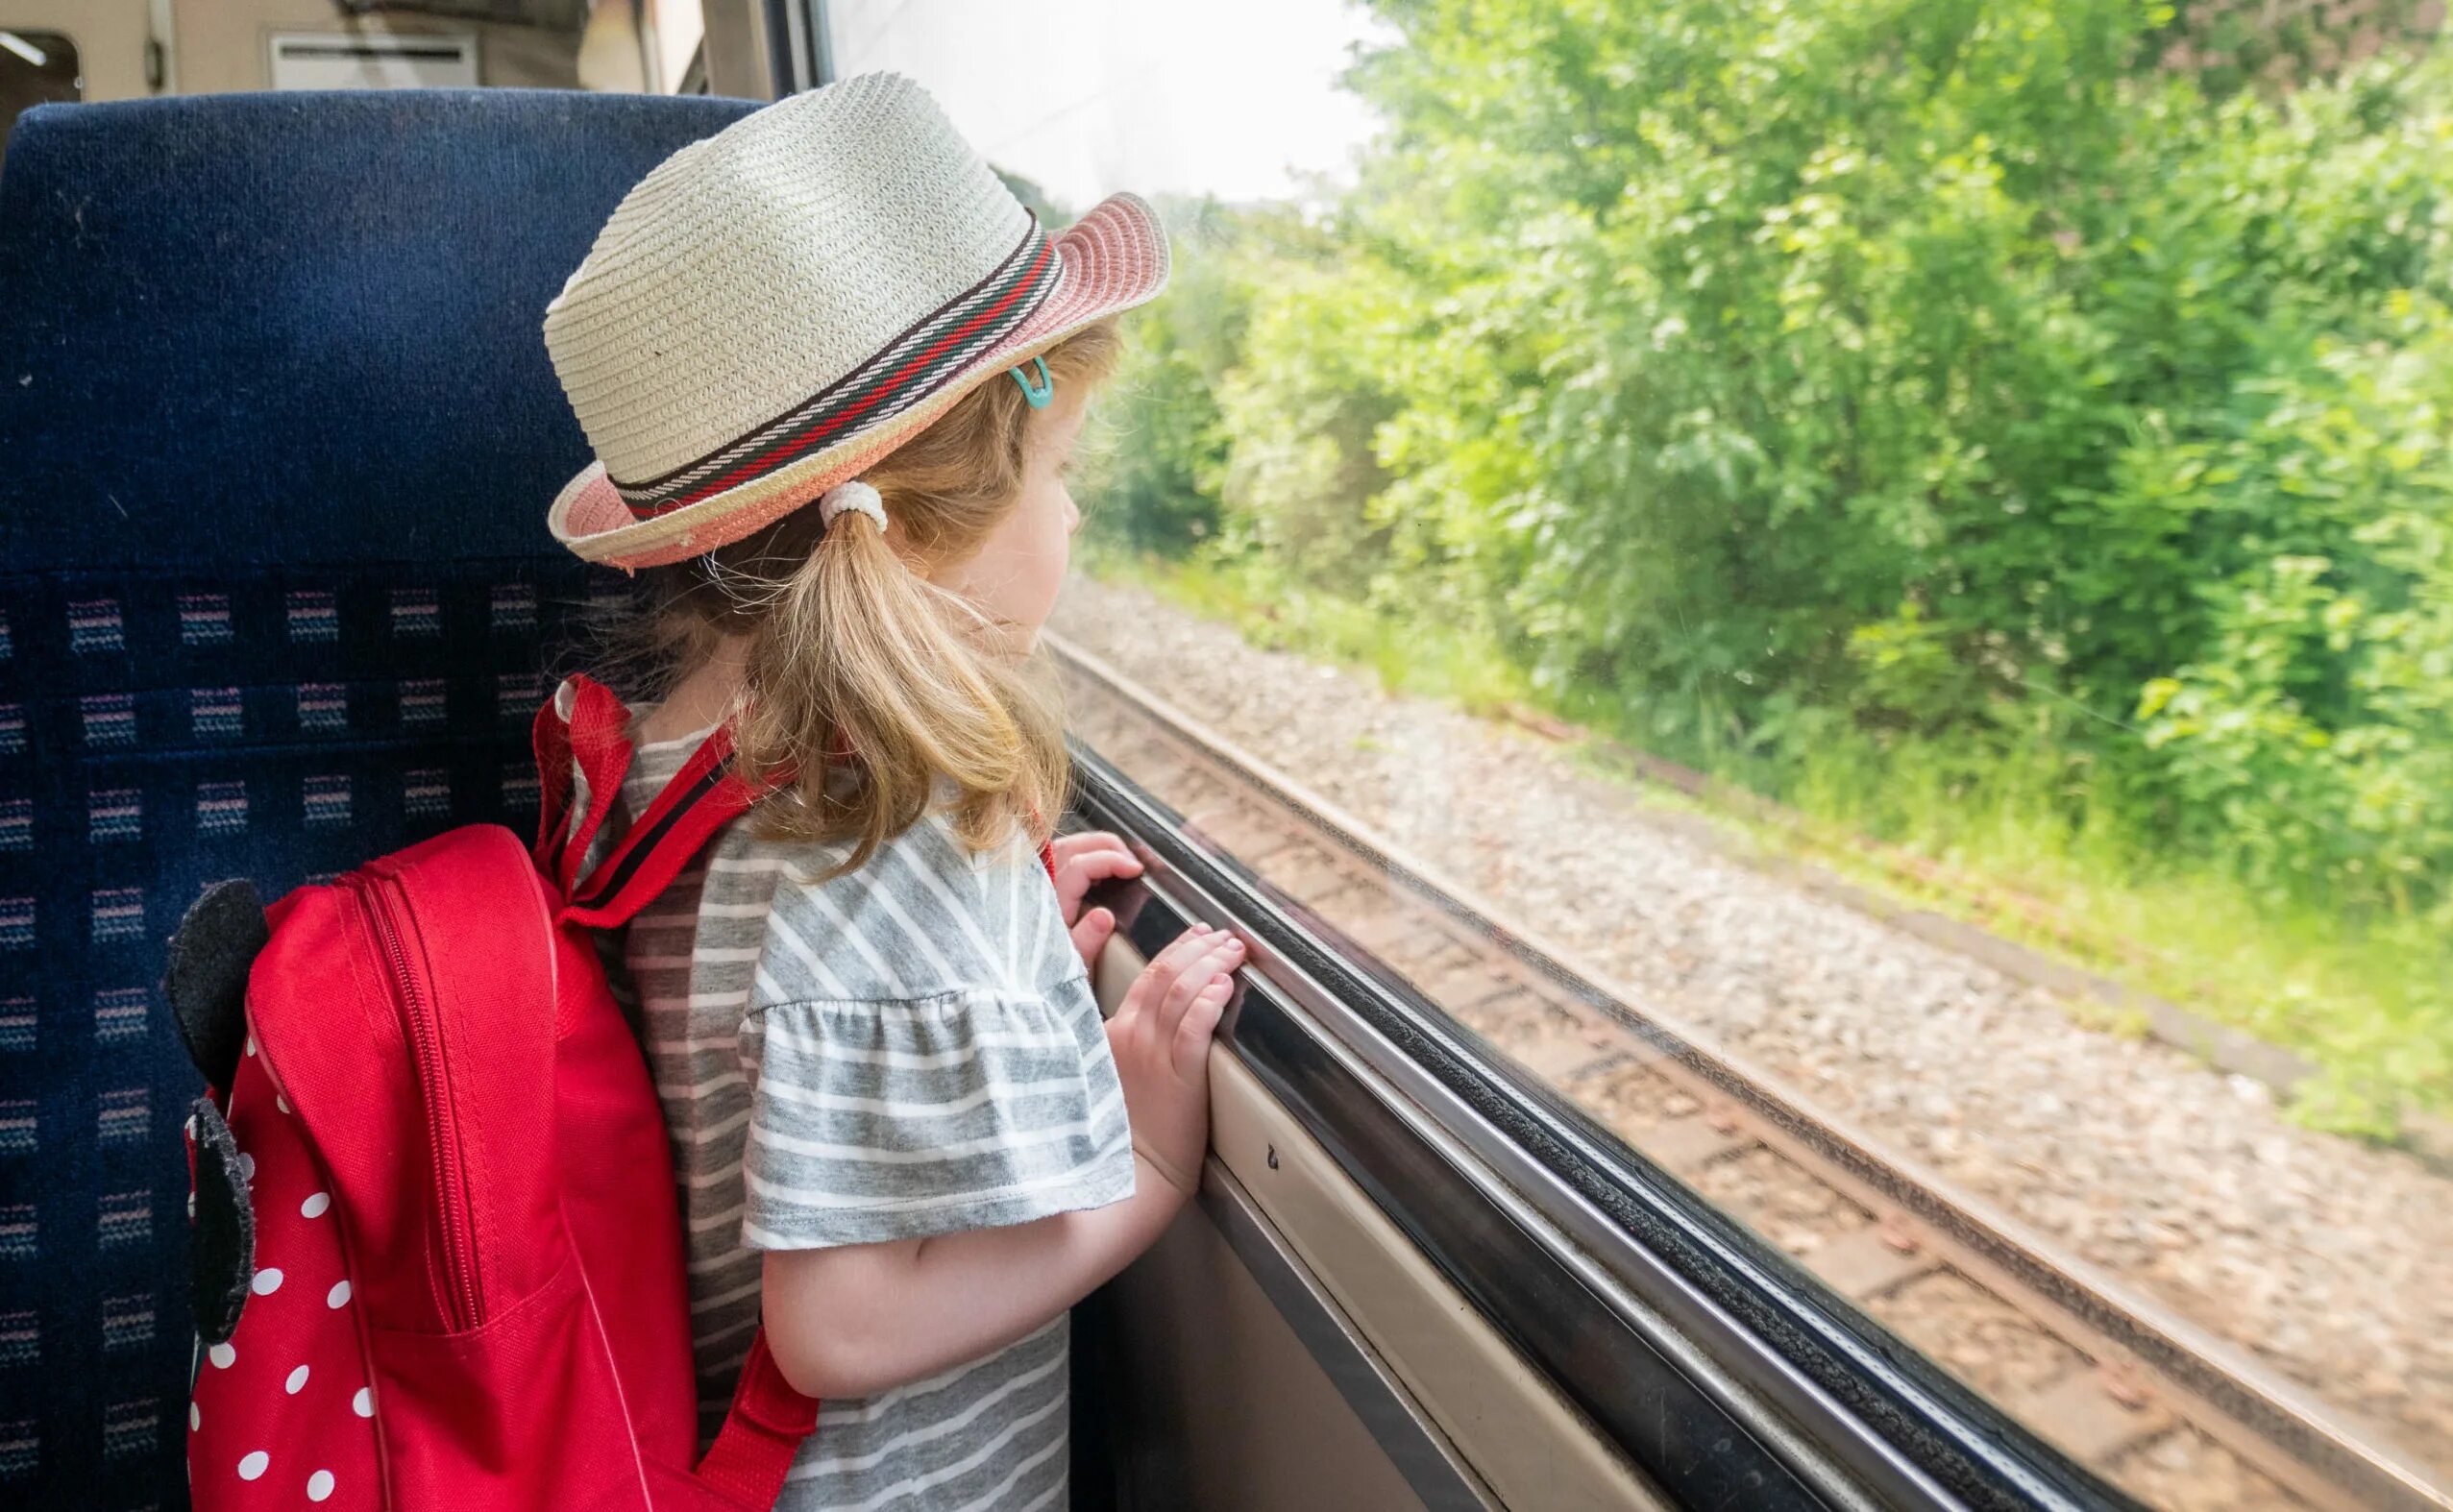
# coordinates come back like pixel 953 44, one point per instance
pixel 223 1264
pixel 207 983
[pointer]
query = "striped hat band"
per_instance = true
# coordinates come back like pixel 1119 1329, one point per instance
pixel 916 364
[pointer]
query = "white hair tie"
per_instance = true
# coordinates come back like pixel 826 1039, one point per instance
pixel 855 495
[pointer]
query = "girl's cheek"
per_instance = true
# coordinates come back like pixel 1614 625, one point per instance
pixel 1056 549
pixel 1051 577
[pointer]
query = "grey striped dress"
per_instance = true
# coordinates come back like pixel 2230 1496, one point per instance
pixel 909 1050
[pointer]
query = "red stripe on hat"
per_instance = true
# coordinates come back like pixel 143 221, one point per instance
pixel 802 443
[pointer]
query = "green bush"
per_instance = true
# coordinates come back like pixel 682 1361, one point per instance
pixel 2312 737
pixel 1948 382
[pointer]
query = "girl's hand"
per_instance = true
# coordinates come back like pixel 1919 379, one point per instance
pixel 1160 1041
pixel 1082 860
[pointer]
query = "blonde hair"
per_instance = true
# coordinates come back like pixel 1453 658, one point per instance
pixel 869 689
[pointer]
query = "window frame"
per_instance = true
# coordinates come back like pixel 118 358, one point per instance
pixel 801 46
pixel 1579 1249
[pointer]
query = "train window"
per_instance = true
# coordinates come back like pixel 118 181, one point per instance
pixel 1830 588
pixel 35 69
pixel 1814 640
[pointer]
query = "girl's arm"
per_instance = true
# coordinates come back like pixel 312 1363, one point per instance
pixel 857 1319
pixel 853 1319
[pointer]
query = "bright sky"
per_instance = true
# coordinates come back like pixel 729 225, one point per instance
pixel 1086 97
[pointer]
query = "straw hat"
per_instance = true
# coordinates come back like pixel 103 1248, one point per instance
pixel 775 307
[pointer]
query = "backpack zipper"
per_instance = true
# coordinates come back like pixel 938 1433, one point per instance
pixel 462 1303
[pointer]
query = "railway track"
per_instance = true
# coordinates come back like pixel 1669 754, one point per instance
pixel 2142 1395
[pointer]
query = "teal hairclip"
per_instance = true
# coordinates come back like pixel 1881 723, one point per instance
pixel 1035 394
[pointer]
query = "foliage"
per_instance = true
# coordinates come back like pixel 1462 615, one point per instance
pixel 2314 733
pixel 1160 450
pixel 1946 383
pixel 2231 43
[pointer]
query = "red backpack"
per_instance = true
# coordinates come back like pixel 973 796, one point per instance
pixel 439 1257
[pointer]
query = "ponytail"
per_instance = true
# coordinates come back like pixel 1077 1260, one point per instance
pixel 879 694
pixel 873 696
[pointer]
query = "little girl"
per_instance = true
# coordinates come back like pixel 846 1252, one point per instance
pixel 833 373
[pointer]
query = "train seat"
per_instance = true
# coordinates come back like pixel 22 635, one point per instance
pixel 277 431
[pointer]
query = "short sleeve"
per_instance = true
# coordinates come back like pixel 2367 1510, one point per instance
pixel 973 1108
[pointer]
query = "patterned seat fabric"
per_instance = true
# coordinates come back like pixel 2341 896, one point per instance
pixel 277 433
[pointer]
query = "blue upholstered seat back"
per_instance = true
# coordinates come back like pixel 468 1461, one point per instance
pixel 276 434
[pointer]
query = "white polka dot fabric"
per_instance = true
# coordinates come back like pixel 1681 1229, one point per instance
pixel 282 1414
pixel 467 1284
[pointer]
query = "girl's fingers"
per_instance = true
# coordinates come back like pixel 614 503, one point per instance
pixel 1200 1023
pixel 1096 865
pixel 1091 934
pixel 1101 839
pixel 1082 860
pixel 1069 846
pixel 1180 951
pixel 1212 967
pixel 1166 966
pixel 1168 996
pixel 1066 847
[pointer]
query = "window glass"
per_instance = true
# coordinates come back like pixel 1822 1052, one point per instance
pixel 1909 543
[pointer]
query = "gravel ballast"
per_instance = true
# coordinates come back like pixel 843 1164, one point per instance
pixel 2330 1260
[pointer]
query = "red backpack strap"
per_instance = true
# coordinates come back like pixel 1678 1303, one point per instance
pixel 597 735
pixel 701 798
pixel 753 1450
pixel 550 736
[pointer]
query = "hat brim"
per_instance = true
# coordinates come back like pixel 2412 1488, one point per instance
pixel 1112 258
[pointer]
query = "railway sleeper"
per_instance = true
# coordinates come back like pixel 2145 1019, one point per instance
pixel 2084 1413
